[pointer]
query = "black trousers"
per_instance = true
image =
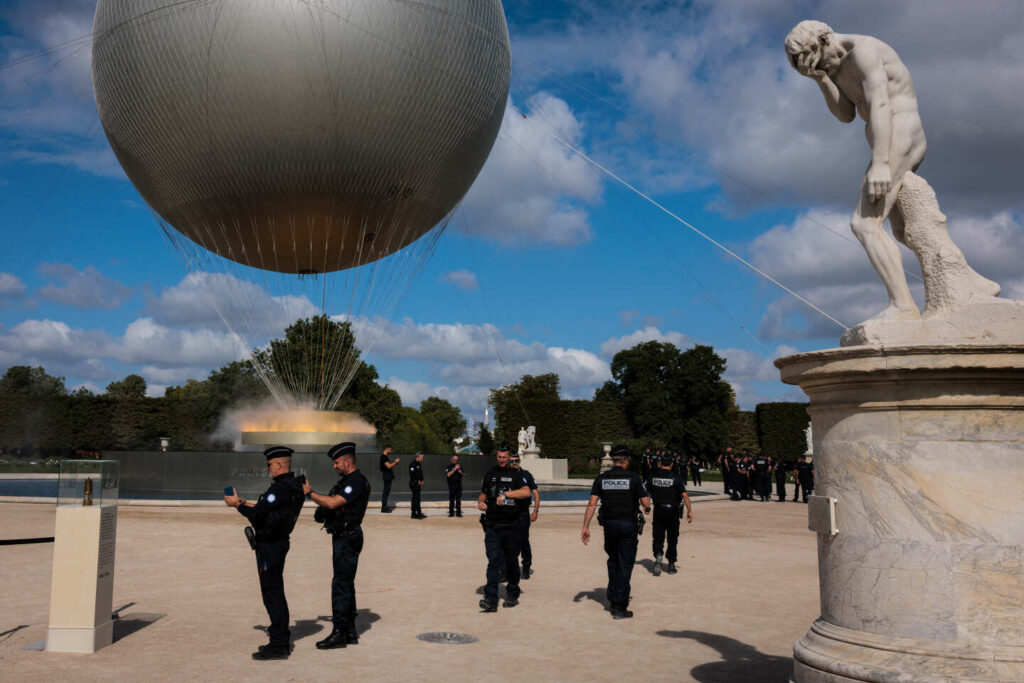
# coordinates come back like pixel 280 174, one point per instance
pixel 780 489
pixel 455 498
pixel 416 491
pixel 501 544
pixel 524 539
pixel 808 486
pixel 726 481
pixel 665 526
pixel 764 485
pixel 695 476
pixel 346 547
pixel 270 564
pixel 620 544
pixel 385 494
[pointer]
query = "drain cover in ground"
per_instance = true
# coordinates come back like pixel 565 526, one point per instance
pixel 446 638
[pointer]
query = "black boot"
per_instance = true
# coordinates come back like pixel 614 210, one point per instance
pixel 488 606
pixel 272 651
pixel 338 638
pixel 352 635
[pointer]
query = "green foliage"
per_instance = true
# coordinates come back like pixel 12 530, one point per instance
pixel 379 405
pixel 413 434
pixel 782 429
pixel 235 383
pixel 576 429
pixel 445 419
pixel 131 387
pixel 674 398
pixel 486 443
pixel 743 432
pixel 310 357
pixel 509 403
pixel 22 380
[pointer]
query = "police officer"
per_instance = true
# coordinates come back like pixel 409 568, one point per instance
pixel 273 517
pixel 695 470
pixel 646 464
pixel 737 475
pixel 453 472
pixel 341 512
pixel 667 490
pixel 782 467
pixel 725 463
pixel 416 486
pixel 620 492
pixel 500 490
pixel 762 482
pixel 526 517
pixel 805 476
pixel 387 474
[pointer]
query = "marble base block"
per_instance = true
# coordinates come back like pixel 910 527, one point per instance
pixel 923 449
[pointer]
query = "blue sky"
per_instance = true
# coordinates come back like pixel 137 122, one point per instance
pixel 550 264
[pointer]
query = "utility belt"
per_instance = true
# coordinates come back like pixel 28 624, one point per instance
pixel 669 506
pixel 494 524
pixel 348 530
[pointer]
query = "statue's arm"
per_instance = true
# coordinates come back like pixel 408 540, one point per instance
pixel 838 103
pixel 879 113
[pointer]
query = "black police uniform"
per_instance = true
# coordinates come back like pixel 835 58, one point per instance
pixel 501 531
pixel 726 463
pixel 415 477
pixel 781 469
pixel 737 475
pixel 524 523
pixel 387 474
pixel 762 480
pixel 646 466
pixel 695 471
pixel 273 518
pixel 620 493
pixel 344 525
pixel 805 475
pixel 666 489
pixel 453 473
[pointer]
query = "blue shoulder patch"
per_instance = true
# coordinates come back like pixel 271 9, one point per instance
pixel 271 497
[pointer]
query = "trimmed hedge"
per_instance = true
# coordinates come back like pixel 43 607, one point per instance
pixel 782 429
pixel 51 424
pixel 576 429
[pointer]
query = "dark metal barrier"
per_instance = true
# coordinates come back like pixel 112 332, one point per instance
pixel 203 476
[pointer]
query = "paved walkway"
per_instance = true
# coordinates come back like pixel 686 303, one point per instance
pixel 747 590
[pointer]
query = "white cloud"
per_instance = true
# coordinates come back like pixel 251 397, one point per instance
pixel 83 289
pixel 462 279
pixel 533 191
pixel 12 289
pixel 616 344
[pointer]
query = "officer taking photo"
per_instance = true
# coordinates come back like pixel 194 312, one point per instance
pixel 501 488
pixel 273 517
pixel 341 512
pixel 620 493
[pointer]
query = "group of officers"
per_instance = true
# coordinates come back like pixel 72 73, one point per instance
pixel 680 464
pixel 509 502
pixel 746 476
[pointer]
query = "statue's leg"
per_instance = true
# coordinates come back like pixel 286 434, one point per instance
pixel 868 226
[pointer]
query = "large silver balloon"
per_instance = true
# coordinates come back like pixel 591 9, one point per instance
pixel 301 136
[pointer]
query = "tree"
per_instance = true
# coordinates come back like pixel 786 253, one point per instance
pixel 445 419
pixel 27 381
pixel 132 386
pixel 485 444
pixel 508 402
pixel 412 434
pixel 232 384
pixel 672 397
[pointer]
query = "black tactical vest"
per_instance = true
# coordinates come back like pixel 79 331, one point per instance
pixel 663 488
pixel 618 500
pixel 496 481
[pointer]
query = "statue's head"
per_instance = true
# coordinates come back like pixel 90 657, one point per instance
pixel 816 38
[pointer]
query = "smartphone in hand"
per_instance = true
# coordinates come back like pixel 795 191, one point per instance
pixel 229 490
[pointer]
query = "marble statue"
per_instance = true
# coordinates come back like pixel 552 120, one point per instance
pixel 531 439
pixel 862 75
pixel 522 439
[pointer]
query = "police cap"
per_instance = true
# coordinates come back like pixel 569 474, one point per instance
pixel 620 452
pixel 278 452
pixel 343 448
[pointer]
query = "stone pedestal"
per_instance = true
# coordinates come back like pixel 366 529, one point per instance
pixel 82 587
pixel 923 447
pixel 545 469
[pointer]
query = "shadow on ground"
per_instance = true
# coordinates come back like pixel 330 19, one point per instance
pixel 303 628
pixel 598 595
pixel 132 623
pixel 647 564
pixel 741 663
pixel 365 619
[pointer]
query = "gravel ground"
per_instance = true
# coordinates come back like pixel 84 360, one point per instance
pixel 747 588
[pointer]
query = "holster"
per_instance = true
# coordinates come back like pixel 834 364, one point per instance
pixel 640 521
pixel 250 535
